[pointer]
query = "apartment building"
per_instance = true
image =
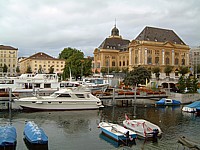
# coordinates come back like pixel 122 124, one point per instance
pixel 8 58
pixel 41 63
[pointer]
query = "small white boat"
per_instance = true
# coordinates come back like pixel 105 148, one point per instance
pixel 117 132
pixel 143 128
pixel 64 99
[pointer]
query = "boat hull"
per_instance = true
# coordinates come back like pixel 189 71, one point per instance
pixel 143 128
pixel 116 132
pixel 34 135
pixel 8 136
pixel 59 106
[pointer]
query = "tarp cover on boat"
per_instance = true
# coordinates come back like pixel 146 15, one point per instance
pixel 194 104
pixel 8 135
pixel 34 134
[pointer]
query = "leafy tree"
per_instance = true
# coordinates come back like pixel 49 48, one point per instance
pixel 181 84
pixel 194 85
pixel 137 76
pixel 40 70
pixel 75 62
pixel 51 69
pixel 188 83
pixel 29 70
pixel 17 69
pixel 96 71
pixel 183 70
pixel 156 70
pixel 104 70
pixel 168 69
pixel 5 68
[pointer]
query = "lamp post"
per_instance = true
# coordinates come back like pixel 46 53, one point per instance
pixel 82 69
pixel 108 67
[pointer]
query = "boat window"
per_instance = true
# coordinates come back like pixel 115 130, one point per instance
pixel 80 95
pixel 33 102
pixel 64 95
pixel 49 102
pixel 60 102
pixel 47 85
pixel 169 101
pixel 88 96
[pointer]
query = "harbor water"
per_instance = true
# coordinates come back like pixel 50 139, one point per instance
pixel 78 130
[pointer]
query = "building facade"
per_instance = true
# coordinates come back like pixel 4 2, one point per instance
pixel 41 63
pixel 195 60
pixel 8 57
pixel 112 53
pixel 153 47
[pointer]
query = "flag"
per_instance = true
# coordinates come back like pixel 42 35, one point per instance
pixel 127 118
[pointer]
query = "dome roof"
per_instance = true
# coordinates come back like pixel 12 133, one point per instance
pixel 115 32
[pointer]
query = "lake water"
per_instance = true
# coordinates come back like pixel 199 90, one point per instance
pixel 77 130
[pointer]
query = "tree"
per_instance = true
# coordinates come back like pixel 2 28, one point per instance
pixel 29 70
pixel 183 70
pixel 74 59
pixel 168 69
pixel 51 69
pixel 40 70
pixel 137 76
pixel 181 84
pixel 17 69
pixel 156 70
pixel 5 68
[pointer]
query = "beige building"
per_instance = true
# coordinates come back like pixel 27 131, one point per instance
pixel 41 62
pixel 112 52
pixel 152 47
pixel 8 57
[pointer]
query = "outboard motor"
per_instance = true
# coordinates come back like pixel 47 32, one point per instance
pixel 155 135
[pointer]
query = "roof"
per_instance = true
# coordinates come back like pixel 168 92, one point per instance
pixel 40 56
pixel 159 35
pixel 114 43
pixel 3 47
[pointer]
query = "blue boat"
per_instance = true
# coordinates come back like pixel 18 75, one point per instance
pixel 34 134
pixel 117 132
pixel 8 136
pixel 168 102
pixel 192 108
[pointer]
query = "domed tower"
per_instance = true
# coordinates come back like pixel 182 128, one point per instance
pixel 115 31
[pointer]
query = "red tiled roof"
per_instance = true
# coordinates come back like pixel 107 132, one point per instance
pixel 3 47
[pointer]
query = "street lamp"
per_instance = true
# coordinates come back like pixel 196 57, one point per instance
pixel 108 67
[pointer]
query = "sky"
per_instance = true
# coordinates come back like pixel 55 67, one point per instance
pixel 49 26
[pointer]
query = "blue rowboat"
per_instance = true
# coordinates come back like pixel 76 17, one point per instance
pixel 117 132
pixel 8 136
pixel 34 134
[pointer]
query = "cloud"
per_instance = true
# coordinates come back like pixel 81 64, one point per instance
pixel 49 25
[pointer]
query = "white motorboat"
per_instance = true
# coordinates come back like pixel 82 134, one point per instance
pixel 117 132
pixel 63 99
pixel 143 128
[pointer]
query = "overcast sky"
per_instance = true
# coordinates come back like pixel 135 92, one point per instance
pixel 50 25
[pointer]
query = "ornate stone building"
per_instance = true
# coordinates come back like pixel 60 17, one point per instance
pixel 153 47
pixel 158 47
pixel 112 52
pixel 8 57
pixel 43 62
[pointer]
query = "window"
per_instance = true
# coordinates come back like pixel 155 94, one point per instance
pixel 123 63
pixel 149 60
pixel 136 60
pixel 167 61
pixel 183 61
pixel 113 63
pixel 120 63
pixel 176 61
pixel 156 60
pixel 80 95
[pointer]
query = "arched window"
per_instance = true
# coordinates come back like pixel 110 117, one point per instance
pixel 176 61
pixel 136 60
pixel 149 60
pixel 113 63
pixel 156 60
pixel 183 61
pixel 167 61
pixel 123 63
pixel 120 63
